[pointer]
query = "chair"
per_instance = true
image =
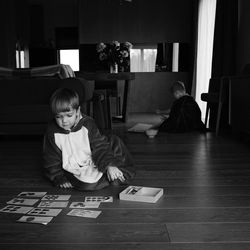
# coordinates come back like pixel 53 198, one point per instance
pixel 111 88
pixel 101 109
pixel 217 94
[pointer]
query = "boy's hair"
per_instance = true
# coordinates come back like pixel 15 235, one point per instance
pixel 178 86
pixel 63 100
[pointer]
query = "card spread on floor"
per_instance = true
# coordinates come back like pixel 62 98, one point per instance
pixel 45 211
pixel 140 127
pixel 22 201
pixel 53 204
pixel 35 219
pixel 84 213
pixel 32 194
pixel 98 199
pixel 16 209
pixel 55 197
pixel 79 204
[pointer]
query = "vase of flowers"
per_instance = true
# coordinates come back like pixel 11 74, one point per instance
pixel 115 54
pixel 113 68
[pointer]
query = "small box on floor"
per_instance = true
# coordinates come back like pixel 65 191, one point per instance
pixel 141 194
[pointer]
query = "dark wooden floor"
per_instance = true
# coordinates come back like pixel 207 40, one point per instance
pixel 206 204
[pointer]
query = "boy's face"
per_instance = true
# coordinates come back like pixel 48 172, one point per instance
pixel 67 120
pixel 178 94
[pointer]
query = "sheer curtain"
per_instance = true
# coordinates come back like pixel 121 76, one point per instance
pixel 143 59
pixel 204 50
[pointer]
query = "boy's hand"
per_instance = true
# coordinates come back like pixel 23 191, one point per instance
pixel 114 173
pixel 66 185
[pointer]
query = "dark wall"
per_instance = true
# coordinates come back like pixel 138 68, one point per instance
pixel 243 35
pixel 32 23
pixel 150 91
pixel 13 26
pixel 6 34
pixel 137 21
pixel 55 13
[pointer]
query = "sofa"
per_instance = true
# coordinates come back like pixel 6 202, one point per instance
pixel 24 102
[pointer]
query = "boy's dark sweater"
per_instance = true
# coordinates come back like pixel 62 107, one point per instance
pixel 185 116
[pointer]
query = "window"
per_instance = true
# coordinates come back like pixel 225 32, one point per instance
pixel 19 58
pixel 143 58
pixel 69 57
pixel 205 36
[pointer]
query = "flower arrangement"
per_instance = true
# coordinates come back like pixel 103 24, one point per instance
pixel 115 53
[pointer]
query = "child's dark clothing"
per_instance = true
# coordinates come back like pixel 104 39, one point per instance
pixel 82 155
pixel 185 116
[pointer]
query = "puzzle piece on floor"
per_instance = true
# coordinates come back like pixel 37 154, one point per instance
pixel 22 201
pixel 80 204
pixel 84 213
pixel 35 219
pixel 16 209
pixel 53 204
pixel 56 197
pixel 32 194
pixel 45 211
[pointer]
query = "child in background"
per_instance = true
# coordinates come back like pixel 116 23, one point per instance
pixel 76 154
pixel 184 115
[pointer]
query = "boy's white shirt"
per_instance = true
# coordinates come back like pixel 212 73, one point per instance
pixel 76 155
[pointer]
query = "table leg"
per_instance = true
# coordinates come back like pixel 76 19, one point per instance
pixel 125 100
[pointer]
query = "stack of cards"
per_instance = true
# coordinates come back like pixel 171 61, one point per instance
pixel 20 203
pixel 51 205
pixel 24 204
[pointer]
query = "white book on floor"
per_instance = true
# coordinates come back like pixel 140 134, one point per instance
pixel 140 127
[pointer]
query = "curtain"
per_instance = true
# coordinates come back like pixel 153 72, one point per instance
pixel 143 60
pixel 204 49
pixel 224 53
pixel 225 38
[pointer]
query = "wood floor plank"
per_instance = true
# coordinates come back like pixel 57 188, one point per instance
pixel 160 215
pixel 192 173
pixel 212 232
pixel 129 246
pixel 152 216
pixel 77 233
pixel 36 179
pixel 202 191
pixel 197 182
pixel 166 201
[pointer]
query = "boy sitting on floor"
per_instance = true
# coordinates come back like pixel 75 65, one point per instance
pixel 76 154
pixel 184 115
